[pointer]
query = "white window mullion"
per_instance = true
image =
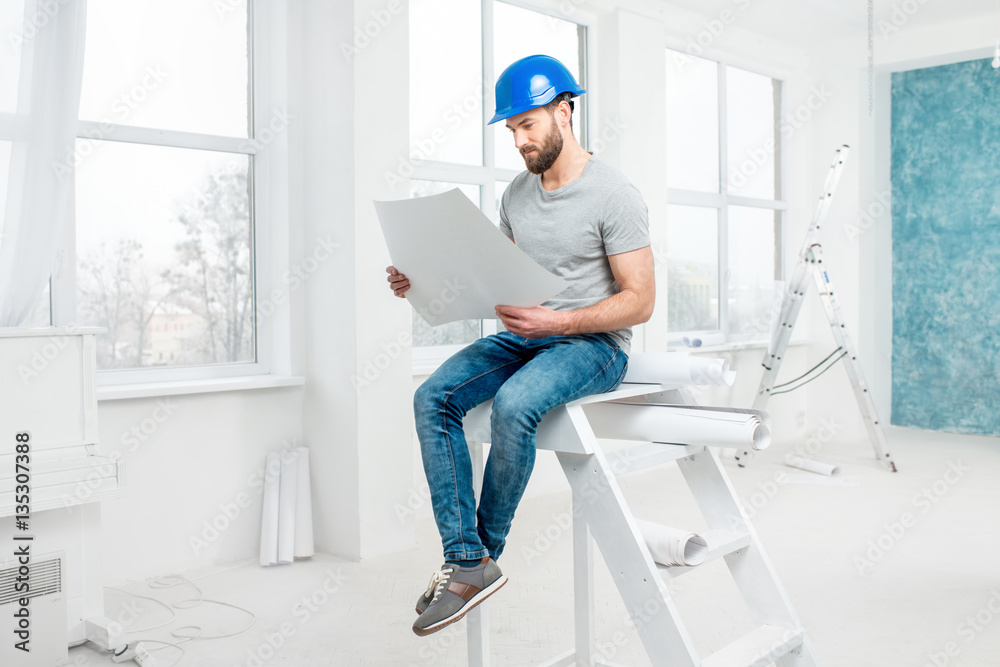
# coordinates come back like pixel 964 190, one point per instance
pixel 103 131
pixel 489 99
pixel 724 203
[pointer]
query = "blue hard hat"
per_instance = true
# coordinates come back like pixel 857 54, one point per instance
pixel 532 82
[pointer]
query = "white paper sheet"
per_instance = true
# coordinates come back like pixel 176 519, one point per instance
pixel 680 425
pixel 810 465
pixel 304 546
pixel 459 264
pixel 673 546
pixel 678 367
pixel 287 495
pixel 269 515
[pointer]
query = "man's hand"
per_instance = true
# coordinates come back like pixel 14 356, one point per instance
pixel 537 322
pixel 397 282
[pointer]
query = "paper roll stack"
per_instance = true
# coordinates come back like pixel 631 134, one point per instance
pixel 678 368
pixel 810 465
pixel 286 518
pixel 672 546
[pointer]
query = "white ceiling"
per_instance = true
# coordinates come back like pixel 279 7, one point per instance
pixel 803 22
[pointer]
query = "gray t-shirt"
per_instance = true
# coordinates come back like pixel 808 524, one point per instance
pixel 571 231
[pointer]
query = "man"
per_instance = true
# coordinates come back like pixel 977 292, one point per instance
pixel 582 220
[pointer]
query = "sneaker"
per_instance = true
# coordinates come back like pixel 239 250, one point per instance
pixel 425 598
pixel 456 590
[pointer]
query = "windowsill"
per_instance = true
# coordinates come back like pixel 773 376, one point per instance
pixel 181 387
pixel 428 364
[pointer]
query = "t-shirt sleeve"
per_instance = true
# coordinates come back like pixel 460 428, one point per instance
pixel 504 222
pixel 625 221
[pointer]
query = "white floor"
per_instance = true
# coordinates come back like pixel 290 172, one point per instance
pixel 879 574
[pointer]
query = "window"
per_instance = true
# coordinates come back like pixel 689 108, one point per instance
pixel 165 162
pixel 724 219
pixel 450 144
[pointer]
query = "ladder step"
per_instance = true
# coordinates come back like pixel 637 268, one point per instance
pixel 720 543
pixel 758 648
pixel 648 455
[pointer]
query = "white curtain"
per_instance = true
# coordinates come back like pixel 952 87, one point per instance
pixel 40 180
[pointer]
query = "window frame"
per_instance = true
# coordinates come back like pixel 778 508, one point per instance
pixel 722 200
pixel 486 175
pixel 265 22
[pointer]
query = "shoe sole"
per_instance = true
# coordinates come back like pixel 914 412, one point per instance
pixel 466 608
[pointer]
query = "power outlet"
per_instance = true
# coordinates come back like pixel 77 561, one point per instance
pixel 800 419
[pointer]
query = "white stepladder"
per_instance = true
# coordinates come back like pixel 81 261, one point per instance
pixel 811 264
pixel 601 516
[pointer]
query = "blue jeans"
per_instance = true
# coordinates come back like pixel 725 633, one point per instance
pixel 526 378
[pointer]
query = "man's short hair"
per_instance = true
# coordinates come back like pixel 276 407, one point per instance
pixel 568 97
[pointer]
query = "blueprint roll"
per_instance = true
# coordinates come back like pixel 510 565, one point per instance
pixel 706 340
pixel 672 546
pixel 303 507
pixel 269 515
pixel 810 465
pixel 680 425
pixel 678 368
pixel 287 493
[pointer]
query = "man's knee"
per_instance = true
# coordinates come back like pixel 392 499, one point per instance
pixel 428 396
pixel 510 408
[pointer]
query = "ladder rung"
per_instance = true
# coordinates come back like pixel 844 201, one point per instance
pixel 757 648
pixel 648 455
pixel 720 543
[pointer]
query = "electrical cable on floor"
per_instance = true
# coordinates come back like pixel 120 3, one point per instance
pixel 180 632
pixel 834 363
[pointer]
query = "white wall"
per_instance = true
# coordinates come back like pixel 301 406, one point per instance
pixel 190 460
pixel 354 129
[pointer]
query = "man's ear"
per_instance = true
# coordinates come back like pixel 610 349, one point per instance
pixel 565 113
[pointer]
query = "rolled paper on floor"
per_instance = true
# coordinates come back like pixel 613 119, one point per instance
pixel 287 494
pixel 304 546
pixel 680 425
pixel 812 466
pixel 672 546
pixel 678 368
pixel 269 515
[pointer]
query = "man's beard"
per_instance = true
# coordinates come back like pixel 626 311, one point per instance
pixel 546 154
